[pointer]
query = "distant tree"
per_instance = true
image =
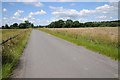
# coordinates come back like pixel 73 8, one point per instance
pixel 81 25
pixel 68 23
pixel 22 25
pixel 51 25
pixel 112 24
pixel 6 26
pixel 15 25
pixel 76 24
pixel 32 25
pixel 61 24
pixel 3 27
pixel 27 24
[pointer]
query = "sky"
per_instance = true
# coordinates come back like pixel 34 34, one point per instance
pixel 43 13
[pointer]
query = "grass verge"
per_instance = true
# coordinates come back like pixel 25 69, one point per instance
pixel 11 52
pixel 102 48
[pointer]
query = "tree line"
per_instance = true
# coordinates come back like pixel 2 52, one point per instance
pixel 76 24
pixel 25 24
pixel 64 24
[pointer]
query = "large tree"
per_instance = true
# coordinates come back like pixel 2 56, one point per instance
pixel 15 25
pixel 76 24
pixel 6 26
pixel 68 23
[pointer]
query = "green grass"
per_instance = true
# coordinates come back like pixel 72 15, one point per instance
pixel 102 48
pixel 12 53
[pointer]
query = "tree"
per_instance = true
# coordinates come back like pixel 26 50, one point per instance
pixel 51 25
pixel 76 24
pixel 15 25
pixel 3 27
pixel 32 25
pixel 68 23
pixel 22 25
pixel 27 23
pixel 61 23
pixel 6 26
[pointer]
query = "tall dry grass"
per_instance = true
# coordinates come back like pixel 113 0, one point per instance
pixel 107 35
pixel 13 48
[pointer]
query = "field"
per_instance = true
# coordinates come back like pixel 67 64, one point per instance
pixel 103 40
pixel 8 33
pixel 13 43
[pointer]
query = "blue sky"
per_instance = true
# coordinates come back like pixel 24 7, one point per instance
pixel 43 13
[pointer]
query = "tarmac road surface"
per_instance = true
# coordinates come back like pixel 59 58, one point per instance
pixel 46 56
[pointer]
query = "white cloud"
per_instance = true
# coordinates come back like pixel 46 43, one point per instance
pixel 18 13
pixel 102 17
pixel 31 14
pixel 4 9
pixel 60 12
pixel 63 13
pixel 17 17
pixel 105 8
pixel 4 18
pixel 86 12
pixel 37 4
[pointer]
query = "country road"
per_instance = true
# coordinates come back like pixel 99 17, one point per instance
pixel 46 56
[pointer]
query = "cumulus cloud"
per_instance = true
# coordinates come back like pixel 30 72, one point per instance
pixel 18 13
pixel 63 13
pixel 105 8
pixel 41 12
pixel 15 18
pixel 60 12
pixel 4 9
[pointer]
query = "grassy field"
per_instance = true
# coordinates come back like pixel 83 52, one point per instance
pixel 7 33
pixel 12 49
pixel 103 40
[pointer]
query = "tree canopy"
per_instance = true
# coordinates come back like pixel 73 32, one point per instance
pixel 26 24
pixel 76 24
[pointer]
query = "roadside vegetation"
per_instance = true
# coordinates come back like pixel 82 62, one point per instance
pixel 12 50
pixel 103 40
pixel 13 43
